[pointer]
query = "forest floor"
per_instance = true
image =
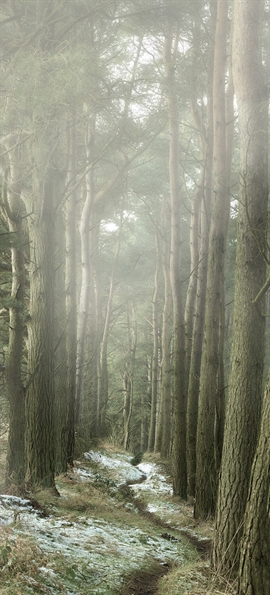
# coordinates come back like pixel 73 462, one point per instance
pixel 116 529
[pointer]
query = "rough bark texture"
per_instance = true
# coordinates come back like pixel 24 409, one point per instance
pixel 40 438
pixel 254 570
pixel 247 354
pixel 206 472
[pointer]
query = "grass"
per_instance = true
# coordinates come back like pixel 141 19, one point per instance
pixel 27 569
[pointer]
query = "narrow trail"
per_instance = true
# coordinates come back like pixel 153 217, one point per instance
pixel 145 582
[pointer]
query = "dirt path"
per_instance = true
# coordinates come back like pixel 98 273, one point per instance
pixel 145 582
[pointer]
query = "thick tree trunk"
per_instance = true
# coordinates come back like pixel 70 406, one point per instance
pixel 254 570
pixel 247 354
pixel 40 437
pixel 206 472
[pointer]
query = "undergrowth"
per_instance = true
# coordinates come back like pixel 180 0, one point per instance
pixel 27 569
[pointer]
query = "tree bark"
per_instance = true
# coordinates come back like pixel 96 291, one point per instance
pixel 40 436
pixel 154 367
pixel 128 376
pixel 165 388
pixel 254 574
pixel 198 329
pixel 179 433
pixel 206 472
pixel 15 468
pixel 247 354
pixel 71 295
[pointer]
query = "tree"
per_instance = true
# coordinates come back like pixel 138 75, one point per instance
pixel 254 578
pixel 179 433
pixel 206 471
pixel 247 353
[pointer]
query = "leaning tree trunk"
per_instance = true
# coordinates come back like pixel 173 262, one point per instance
pixel 247 354
pixel 206 472
pixel 254 570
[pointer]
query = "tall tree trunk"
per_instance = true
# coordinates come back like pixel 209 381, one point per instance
pixel 40 437
pixel 128 376
pixel 71 294
pixel 247 354
pixel 15 469
pixel 179 433
pixel 206 472
pixel 254 574
pixel 154 371
pixel 60 352
pixel 85 291
pixel 198 329
pixel 103 388
pixel 165 388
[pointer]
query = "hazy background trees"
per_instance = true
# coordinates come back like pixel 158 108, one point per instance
pixel 120 152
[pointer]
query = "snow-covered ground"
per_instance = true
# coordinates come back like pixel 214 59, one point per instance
pixel 89 547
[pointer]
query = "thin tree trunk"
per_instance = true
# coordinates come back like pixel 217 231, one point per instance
pixel 198 329
pixel 103 366
pixel 154 372
pixel 15 468
pixel 206 472
pixel 85 292
pixel 165 389
pixel 71 296
pixel 128 377
pixel 179 433
pixel 61 401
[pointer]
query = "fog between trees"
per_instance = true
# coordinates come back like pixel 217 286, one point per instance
pixel 134 254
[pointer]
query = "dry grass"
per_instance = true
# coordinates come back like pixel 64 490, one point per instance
pixel 195 578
